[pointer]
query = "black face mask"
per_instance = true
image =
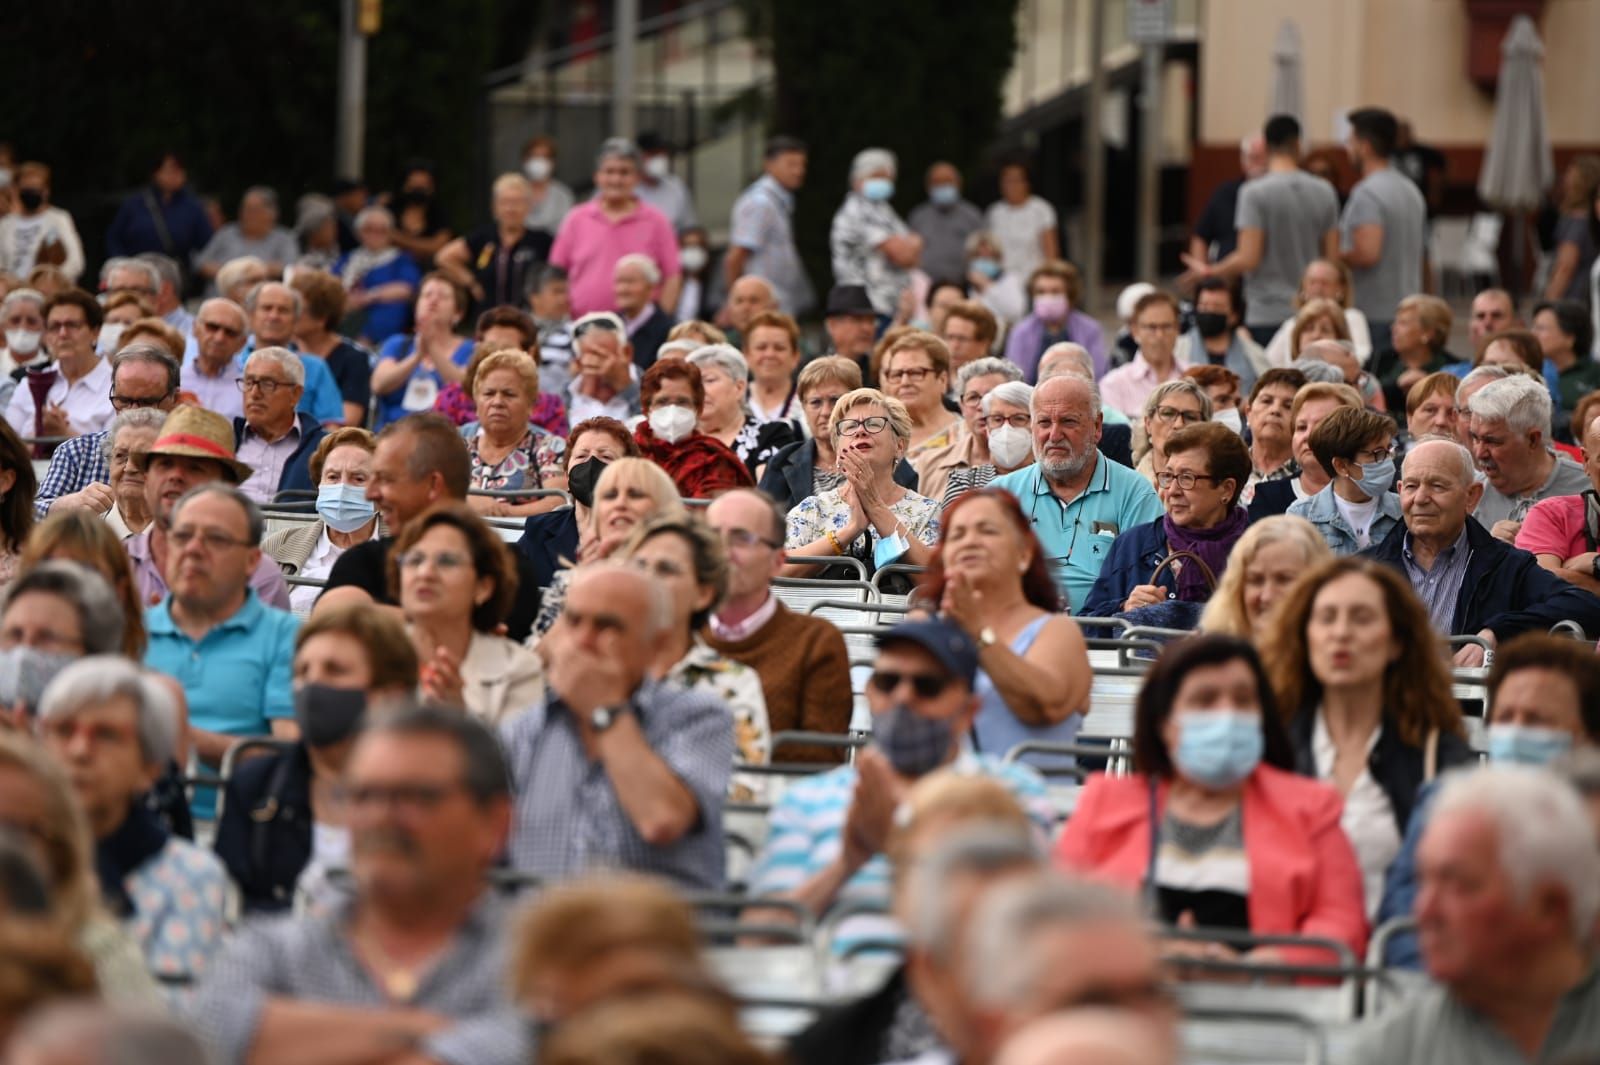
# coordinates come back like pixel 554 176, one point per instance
pixel 582 478
pixel 31 198
pixel 328 715
pixel 1210 323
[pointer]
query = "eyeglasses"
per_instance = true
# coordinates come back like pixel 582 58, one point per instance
pixel 1158 327
pixel 910 373
pixel 661 567
pixel 123 455
pixel 873 425
pixel 211 540
pixel 137 402
pixel 265 385
pixel 443 560
pixel 1184 480
pixel 218 327
pixel 1172 414
pixel 1016 421
pixel 65 327
pixel 925 685
pixel 1377 454
pixel 972 399
pixel 746 538
pixel 412 798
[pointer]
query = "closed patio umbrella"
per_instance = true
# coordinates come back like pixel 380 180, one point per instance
pixel 1517 164
pixel 1288 74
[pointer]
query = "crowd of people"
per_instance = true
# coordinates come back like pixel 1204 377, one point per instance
pixel 444 764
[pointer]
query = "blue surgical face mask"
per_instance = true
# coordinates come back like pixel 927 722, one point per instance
pixel 1527 744
pixel 1376 477
pixel 344 507
pixel 877 189
pixel 944 195
pixel 1218 748
pixel 986 266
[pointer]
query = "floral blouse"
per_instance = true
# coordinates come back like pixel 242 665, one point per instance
pixel 535 460
pixel 828 511
pixel 549 413
pixel 739 686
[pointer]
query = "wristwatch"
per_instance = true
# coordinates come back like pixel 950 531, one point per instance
pixel 603 717
pixel 987 637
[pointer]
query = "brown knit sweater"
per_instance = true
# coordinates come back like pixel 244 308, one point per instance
pixel 805 675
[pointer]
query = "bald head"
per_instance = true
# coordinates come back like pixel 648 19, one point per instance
pixel 1065 357
pixel 1437 453
pixel 1068 389
pixel 748 297
pixel 1087 1037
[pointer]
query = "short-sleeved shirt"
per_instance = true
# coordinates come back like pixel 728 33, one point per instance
pixel 1555 526
pixel 859 227
pixel 505 272
pixel 1567 478
pixel 1574 229
pixel 815 515
pixel 944 229
pixel 1389 199
pixel 351 367
pixel 230 243
pixel 1017 228
pixel 1077 536
pixel 322 398
pixel 380 321
pixel 672 198
pixel 423 384
pixel 762 223
pixel 237 676
pixel 1293 210
pixel 589 245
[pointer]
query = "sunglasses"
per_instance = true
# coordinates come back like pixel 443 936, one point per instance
pixel 925 685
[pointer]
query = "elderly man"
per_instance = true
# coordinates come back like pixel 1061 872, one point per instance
pixel 1493 311
pixel 66 396
pixel 211 371
pixel 595 234
pixel 142 375
pixel 256 233
pixel 130 275
pixel 1077 500
pixel 1558 532
pixel 1510 434
pixel 633 284
pixel 851 324
pixel 804 668
pixel 1155 327
pixel 1510 889
pixel 412 968
pixel 114 728
pixel 606 383
pixel 748 296
pixel 613 769
pixel 826 834
pixel 272 438
pixel 1471 583
pixel 870 244
pixel 944 222
pixel 274 310
pixel 970 446
pixel 761 228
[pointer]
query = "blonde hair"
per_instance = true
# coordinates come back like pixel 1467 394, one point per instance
pixel 949 797
pixel 515 359
pixel 659 1028
pixel 154 330
pixel 1225 612
pixel 644 474
pixel 68 846
pixel 1433 317
pixel 899 417
pixel 835 368
pixel 695 329
pixel 1315 310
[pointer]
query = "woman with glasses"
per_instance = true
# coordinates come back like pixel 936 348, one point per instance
pixel 672 395
pixel 1206 469
pixel 870 517
pixel 969 447
pixel 727 416
pixel 1357 509
pixel 1008 437
pixel 1171 406
pixel 455 581
pixel 915 369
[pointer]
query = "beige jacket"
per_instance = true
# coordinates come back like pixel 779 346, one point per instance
pixel 500 679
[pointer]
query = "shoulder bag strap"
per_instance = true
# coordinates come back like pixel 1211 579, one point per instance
pixel 1187 556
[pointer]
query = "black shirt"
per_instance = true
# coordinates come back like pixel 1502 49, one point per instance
pixel 1216 221
pixel 351 366
pixel 505 273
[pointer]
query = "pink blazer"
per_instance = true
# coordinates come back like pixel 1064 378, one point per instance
pixel 1304 879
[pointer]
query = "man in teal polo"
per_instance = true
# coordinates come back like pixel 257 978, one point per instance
pixel 1077 499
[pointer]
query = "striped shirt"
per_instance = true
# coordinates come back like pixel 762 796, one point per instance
pixel 1439 587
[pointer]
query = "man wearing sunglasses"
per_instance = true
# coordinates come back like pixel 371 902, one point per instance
pixel 826 835
pixel 212 367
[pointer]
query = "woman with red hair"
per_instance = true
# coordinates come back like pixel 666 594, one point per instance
pixel 671 395
pixel 989 574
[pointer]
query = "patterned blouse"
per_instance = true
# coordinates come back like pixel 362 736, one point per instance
pixel 968 480
pixel 179 901
pixel 535 459
pixel 758 441
pixel 828 511
pixel 704 669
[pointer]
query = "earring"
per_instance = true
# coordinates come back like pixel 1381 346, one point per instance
pixel 1023 568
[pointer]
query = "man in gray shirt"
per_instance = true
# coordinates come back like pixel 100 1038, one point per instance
pixel 945 221
pixel 255 233
pixel 1285 219
pixel 1384 227
pixel 1510 434
pixel 1510 888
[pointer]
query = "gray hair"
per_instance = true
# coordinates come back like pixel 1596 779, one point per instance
pixel 254 522
pixel 484 774
pixel 869 159
pixel 135 418
pixel 1002 964
pixel 643 263
pixel 983 368
pixel 165 265
pixel 22 295
pixel 983 848
pixel 152 275
pixel 977 239
pixel 724 357
pixel 1542 831
pixel 374 211
pixel 1094 395
pixel 684 346
pixel 1016 393
pixel 617 148
pixel 659 618
pixel 285 360
pixel 265 193
pixel 1520 401
pixel 232 307
pixel 311 211
pixel 261 286
pixel 98 679
pixel 1182 386
pixel 234 270
pixel 1318 372
pixel 1480 375
pixel 1467 469
pixel 150 354
pixel 1083 362
pixel 99 611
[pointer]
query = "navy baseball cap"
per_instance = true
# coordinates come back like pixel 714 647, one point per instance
pixel 944 640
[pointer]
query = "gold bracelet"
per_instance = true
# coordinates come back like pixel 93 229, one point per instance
pixel 833 540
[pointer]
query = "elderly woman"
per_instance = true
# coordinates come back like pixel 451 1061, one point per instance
pixel 968 447
pixel 340 467
pixel 282 825
pixel 549 198
pixel 508 451
pixel 1214 824
pixel 671 396
pixel 1324 279
pixel 1417 338
pixel 1172 405
pixel 122 310
pixel 870 244
pixel 1431 407
pixel 1365 687
pixel 1008 438
pixel 635 280
pixel 1267 560
pixel 1316 320
pixel 455 580
pixel 115 729
pixel 1206 469
pixel 915 369
pixel 131 432
pixel 495 262
pixel 726 415
pixel 1312 403
pixel 772 349
pixel 1266 413
pixel 413 368
pixel 502 329
pixel 379 277
pixel 1054 292
pixel 870 517
pixel 552 539
pixel 1356 509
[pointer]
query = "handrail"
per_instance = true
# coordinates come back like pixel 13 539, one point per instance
pixel 1316 1048
pixel 523 493
pixel 1569 628
pixel 894 568
pixel 230 759
pixel 859 607
pixel 822 584
pixel 305 582
pixel 1153 633
pixel 1074 750
pixel 1240 938
pixel 805 737
pixel 847 561
pixel 1120 624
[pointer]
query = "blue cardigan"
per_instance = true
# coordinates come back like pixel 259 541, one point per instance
pixel 297 471
pixel 1134 555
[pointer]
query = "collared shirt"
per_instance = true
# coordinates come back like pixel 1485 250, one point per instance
pixel 1077 536
pixel 623 406
pixel 75 465
pixel 589 245
pixel 320 396
pixel 312 959
pixel 1127 387
pixel 87 401
pixel 762 224
pixel 1567 478
pixel 705 669
pixel 302 597
pixel 218 393
pixel 671 197
pixel 747 628
pixel 267 459
pixel 859 227
pixel 569 819
pixel 237 676
pixel 267 579
pixel 1439 587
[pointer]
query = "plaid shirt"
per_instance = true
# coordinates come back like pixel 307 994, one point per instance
pixel 77 463
pixel 568 817
pixel 311 959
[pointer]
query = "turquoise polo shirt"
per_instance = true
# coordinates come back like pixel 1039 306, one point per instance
pixel 1077 535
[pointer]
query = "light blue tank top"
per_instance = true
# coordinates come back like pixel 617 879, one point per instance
pixel 996 729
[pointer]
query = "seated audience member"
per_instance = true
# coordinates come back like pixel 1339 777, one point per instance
pixel 772 350
pixel 130 433
pixel 74 384
pixel 800 660
pixel 1418 334
pixel 1155 327
pixel 274 439
pixel 274 310
pixel 1265 562
pixel 1563 532
pixel 1510 875
pixel 1239 840
pixel 1362 681
pixel 662 1027
pixel 508 450
pixel 36 792
pixel 1565 333
pixel 1478 378
pixel 53 613
pixel 1116 430
pixel 1324 280
pixel 989 576
pixel 316 335
pixel 635 280
pixel 1171 406
pixel 380 278
pixel 1054 316
pixel 969 446
pixel 1221 386
pixel 115 729
pixel 413 368
pixel 415 957
pixel 1470 582
pixel 613 769
pixel 419 461
pixel 1357 508
pixel 1007 434
pixel 748 296
pixel 604 379
pixel 1430 410
pixel 727 415
pixel 1090 1036
pixel 81 538
pixel 1206 468
pixel 826 833
pixel 1312 403
pixel 1544 703
pixel 16 500
pixel 1219 337
pixel 554 538
pixel 193 448
pixel 213 364
pixel 671 395
pixel 341 468
pixel 284 825
pixel 455 580
pixel 970 330
pixel 914 368
pixel 1510 433
pixel 1267 414
pixel 509 329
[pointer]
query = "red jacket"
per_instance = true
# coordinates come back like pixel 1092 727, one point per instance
pixel 702 466
pixel 1304 879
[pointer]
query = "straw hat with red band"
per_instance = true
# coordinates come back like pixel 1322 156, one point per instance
pixel 197 434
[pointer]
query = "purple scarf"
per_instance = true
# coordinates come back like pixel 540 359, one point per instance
pixel 1213 545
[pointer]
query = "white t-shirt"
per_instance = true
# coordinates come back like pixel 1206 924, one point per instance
pixel 1359 516
pixel 1017 229
pixel 1368 819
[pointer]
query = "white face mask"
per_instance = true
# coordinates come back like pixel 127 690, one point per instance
pixel 110 333
pixel 658 166
pixel 692 258
pixel 671 423
pixel 537 168
pixel 23 341
pixel 1230 418
pixel 1010 446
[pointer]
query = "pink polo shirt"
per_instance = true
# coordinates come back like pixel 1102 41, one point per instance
pixel 589 245
pixel 1555 527
pixel 1127 387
